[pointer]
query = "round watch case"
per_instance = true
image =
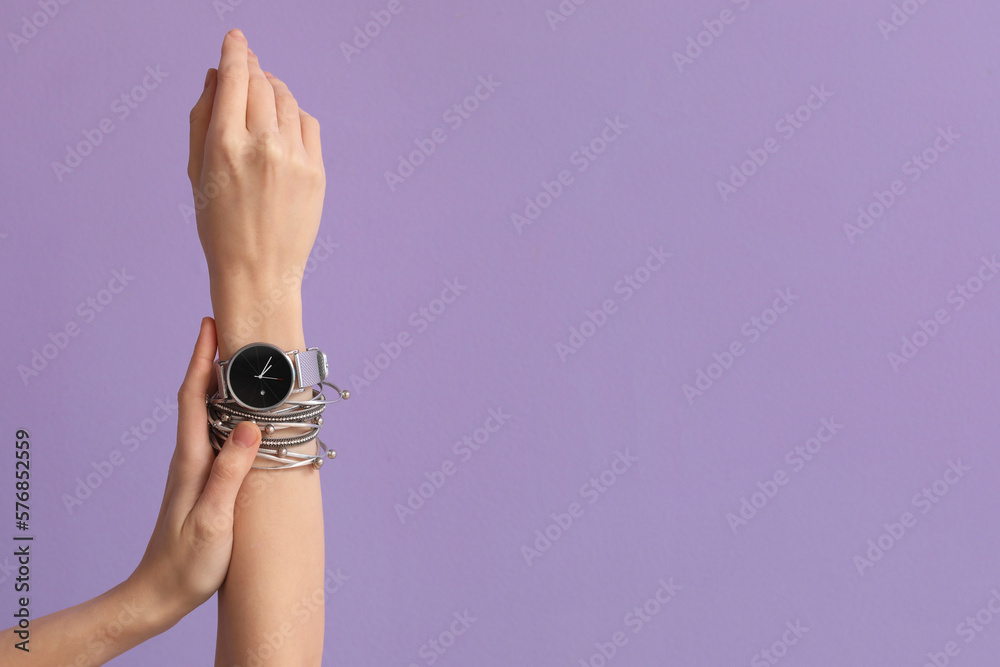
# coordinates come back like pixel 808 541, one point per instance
pixel 278 358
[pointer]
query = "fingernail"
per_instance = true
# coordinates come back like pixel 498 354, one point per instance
pixel 208 76
pixel 245 435
pixel 236 32
pixel 250 51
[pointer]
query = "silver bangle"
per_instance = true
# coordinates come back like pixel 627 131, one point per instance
pixel 225 414
pixel 289 459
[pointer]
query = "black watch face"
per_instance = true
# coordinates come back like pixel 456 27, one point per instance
pixel 260 376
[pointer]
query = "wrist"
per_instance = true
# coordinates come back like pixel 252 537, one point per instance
pixel 257 280
pixel 143 610
pixel 257 310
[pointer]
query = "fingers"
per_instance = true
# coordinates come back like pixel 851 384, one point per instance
pixel 192 414
pixel 261 114
pixel 287 109
pixel 193 454
pixel 201 370
pixel 229 112
pixel 230 467
pixel 310 135
pixel 201 115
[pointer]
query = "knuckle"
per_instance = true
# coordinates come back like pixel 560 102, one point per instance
pixel 316 177
pixel 225 469
pixel 228 142
pixel 186 395
pixel 195 114
pixel 259 83
pixel 230 148
pixel 282 92
pixel 208 526
pixel 272 149
pixel 288 110
pixel 182 460
pixel 307 170
pixel 232 73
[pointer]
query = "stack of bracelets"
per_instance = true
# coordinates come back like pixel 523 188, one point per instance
pixel 225 413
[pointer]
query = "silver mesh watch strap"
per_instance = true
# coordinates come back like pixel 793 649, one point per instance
pixel 310 367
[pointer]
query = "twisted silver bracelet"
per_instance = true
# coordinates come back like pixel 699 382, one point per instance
pixel 225 414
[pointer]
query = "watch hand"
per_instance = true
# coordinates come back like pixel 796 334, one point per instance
pixel 266 368
pixel 270 378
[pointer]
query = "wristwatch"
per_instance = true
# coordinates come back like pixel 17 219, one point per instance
pixel 261 376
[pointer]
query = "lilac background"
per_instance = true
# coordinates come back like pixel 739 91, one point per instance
pixel 496 345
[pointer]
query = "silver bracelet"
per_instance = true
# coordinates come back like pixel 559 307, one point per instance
pixel 304 459
pixel 225 414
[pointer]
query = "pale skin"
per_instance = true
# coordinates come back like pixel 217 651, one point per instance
pixel 195 525
pixel 257 233
pixel 256 536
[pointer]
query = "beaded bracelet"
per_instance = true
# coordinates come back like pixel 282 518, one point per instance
pixel 225 414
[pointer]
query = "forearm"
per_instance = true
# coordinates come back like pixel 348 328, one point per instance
pixel 93 632
pixel 257 233
pixel 273 593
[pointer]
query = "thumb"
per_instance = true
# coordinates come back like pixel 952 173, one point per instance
pixel 230 467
